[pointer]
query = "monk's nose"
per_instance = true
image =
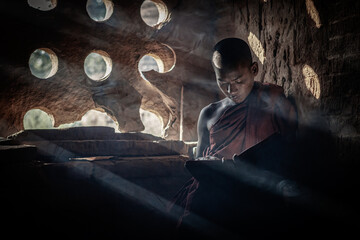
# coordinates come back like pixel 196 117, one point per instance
pixel 230 88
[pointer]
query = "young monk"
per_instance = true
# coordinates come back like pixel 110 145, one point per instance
pixel 250 113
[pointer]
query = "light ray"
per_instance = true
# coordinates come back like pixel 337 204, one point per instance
pixel 257 47
pixel 313 12
pixel 311 81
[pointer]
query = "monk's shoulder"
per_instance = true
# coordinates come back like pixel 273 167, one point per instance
pixel 272 89
pixel 210 109
pixel 211 113
pixel 269 94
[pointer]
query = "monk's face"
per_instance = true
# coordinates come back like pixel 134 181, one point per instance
pixel 236 82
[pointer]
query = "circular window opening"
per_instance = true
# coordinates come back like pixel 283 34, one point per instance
pixel 150 62
pixel 93 118
pixel 43 63
pixel 153 12
pixel 98 65
pixel 153 124
pixel 38 119
pixel 99 10
pixel 43 5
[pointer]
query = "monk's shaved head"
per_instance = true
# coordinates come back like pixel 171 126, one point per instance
pixel 230 52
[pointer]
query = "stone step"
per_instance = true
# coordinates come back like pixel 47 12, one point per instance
pixel 130 167
pixel 77 133
pixel 63 150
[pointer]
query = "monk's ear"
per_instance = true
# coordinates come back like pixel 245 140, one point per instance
pixel 254 68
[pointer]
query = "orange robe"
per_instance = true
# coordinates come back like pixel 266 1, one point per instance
pixel 264 112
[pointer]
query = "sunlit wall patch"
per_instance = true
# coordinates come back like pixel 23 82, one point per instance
pixel 312 82
pixel 151 62
pixel 94 117
pixel 99 10
pixel 43 63
pixel 160 58
pixel 43 5
pixel 98 65
pixel 154 12
pixel 152 122
pixel 257 47
pixel 313 13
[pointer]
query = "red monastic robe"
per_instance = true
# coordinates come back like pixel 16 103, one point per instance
pixel 264 112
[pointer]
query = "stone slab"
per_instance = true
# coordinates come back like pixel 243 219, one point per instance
pixel 78 133
pixel 63 150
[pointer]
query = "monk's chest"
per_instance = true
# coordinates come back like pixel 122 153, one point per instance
pixel 216 115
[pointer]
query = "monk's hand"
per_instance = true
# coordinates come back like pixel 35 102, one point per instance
pixel 207 158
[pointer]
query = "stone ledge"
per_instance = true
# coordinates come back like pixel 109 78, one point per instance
pixel 63 144
pixel 78 133
pixel 63 150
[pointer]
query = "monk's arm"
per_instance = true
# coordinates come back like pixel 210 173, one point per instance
pixel 203 133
